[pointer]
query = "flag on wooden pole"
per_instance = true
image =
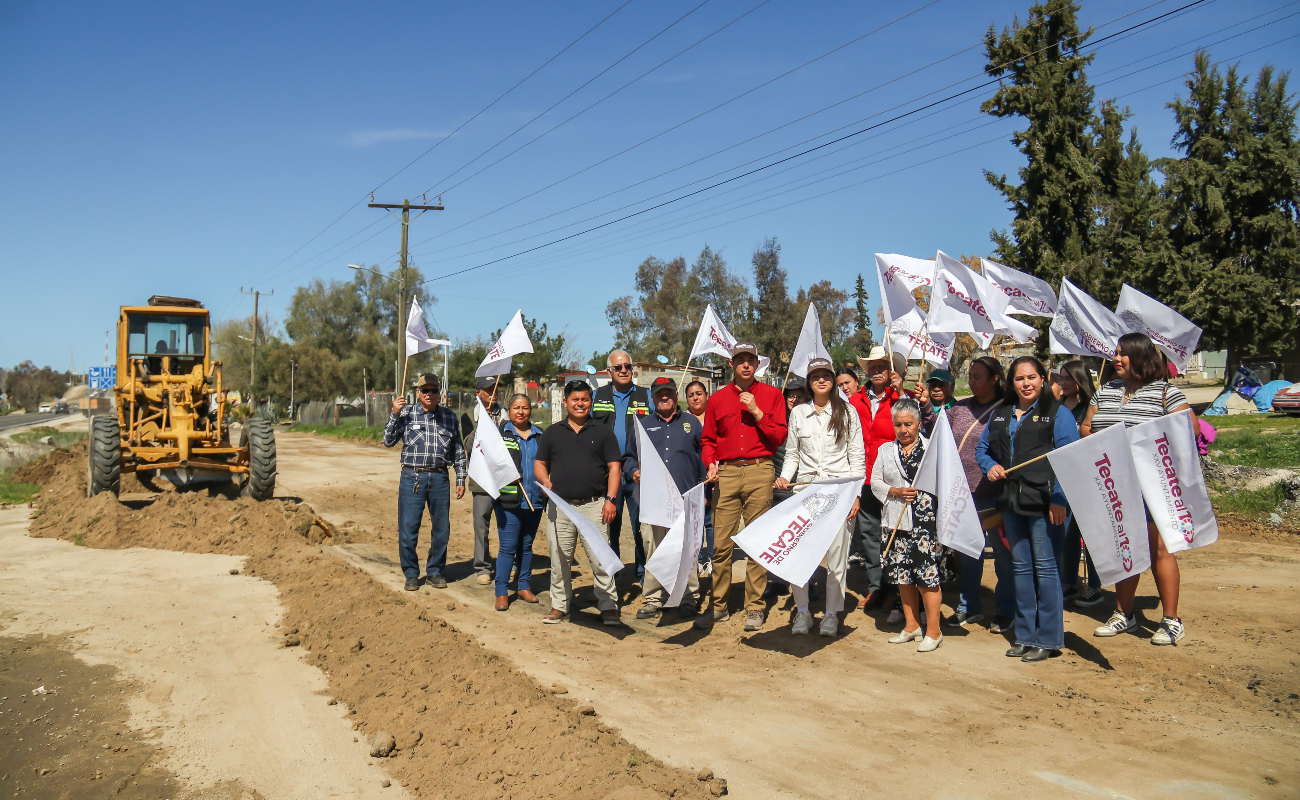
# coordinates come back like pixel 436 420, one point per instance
pixel 514 340
pixel 490 463
pixel 942 475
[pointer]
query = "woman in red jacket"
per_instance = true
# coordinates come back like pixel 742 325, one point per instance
pixel 874 403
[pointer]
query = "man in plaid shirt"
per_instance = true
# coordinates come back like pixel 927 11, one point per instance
pixel 430 443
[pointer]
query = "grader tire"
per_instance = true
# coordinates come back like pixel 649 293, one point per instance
pixel 259 438
pixel 105 459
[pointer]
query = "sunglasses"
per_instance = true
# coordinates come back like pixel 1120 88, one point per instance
pixel 428 390
pixel 621 368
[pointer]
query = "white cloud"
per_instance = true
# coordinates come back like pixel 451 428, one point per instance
pixel 370 138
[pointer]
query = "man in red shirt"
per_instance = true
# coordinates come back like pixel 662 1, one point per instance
pixel 744 424
pixel 874 403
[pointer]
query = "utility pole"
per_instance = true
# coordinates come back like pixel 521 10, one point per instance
pixel 293 366
pixel 365 401
pixel 402 302
pixel 252 362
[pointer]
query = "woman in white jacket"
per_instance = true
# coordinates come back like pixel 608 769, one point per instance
pixel 914 559
pixel 824 441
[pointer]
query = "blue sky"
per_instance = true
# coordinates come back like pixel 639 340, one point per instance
pixel 191 149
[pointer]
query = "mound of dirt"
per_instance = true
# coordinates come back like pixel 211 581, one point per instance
pixel 465 723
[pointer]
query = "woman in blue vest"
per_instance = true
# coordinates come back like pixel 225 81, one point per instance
pixel 519 508
pixel 1030 424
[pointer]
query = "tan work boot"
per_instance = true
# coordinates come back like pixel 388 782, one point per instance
pixel 753 620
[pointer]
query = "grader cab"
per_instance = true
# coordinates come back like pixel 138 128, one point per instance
pixel 172 417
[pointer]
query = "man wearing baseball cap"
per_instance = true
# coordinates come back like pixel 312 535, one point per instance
pixel 427 432
pixel 484 564
pixel 743 425
pixel 676 437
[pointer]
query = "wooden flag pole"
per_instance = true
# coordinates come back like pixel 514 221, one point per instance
pixel 787 380
pixel 685 370
pixel 405 362
pixel 1027 463
pixel 531 507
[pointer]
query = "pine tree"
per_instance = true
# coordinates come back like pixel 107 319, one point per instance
pixel 1130 243
pixel 1232 203
pixel 775 326
pixel 1042 68
pixel 862 335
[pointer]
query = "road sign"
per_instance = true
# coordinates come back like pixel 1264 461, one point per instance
pixel 102 377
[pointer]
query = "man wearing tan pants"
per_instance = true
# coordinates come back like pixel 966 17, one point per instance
pixel 743 425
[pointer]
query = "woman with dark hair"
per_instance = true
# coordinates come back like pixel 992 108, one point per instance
pixel 1076 394
pixel 824 441
pixel 1031 424
pixel 517 516
pixel 968 417
pixel 1140 392
pixel 847 380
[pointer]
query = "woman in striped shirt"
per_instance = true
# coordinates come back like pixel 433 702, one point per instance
pixel 1140 392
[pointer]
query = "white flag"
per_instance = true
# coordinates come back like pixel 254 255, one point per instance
pixel 675 556
pixel 1100 481
pixel 963 301
pixel 713 337
pixel 1022 332
pixel 907 334
pixel 657 495
pixel 491 464
pixel 1026 294
pixel 763 363
pixel 1084 327
pixel 417 335
pixel 609 560
pixel 1170 331
pixel 941 474
pixel 1173 485
pixel 810 344
pixel 514 340
pixel 792 538
pixel 898 276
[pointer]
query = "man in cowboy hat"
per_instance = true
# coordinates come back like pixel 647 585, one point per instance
pixel 874 403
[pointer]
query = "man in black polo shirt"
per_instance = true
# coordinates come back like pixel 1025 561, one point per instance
pixel 578 459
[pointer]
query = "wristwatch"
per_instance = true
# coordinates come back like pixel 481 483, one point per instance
pixel 611 500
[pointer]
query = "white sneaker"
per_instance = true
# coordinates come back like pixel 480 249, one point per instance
pixel 830 625
pixel 803 622
pixel 895 617
pixel 908 636
pixel 1117 624
pixel 928 645
pixel 1171 631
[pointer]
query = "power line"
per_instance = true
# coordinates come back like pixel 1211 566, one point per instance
pixel 598 102
pixel 1097 44
pixel 774 163
pixel 435 145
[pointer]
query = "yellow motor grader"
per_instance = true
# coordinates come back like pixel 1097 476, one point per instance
pixel 172 417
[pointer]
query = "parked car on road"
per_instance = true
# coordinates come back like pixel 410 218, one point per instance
pixel 44 409
pixel 1287 401
pixel 61 408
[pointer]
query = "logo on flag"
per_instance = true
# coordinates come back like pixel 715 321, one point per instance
pixel 792 538
pixel 514 340
pixel 1173 485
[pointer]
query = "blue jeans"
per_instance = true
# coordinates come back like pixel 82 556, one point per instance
pixel 516 528
pixel 415 491
pixel 1035 553
pixel 972 572
pixel 706 551
pixel 1070 553
pixel 625 496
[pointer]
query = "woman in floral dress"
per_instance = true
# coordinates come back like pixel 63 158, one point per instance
pixel 914 559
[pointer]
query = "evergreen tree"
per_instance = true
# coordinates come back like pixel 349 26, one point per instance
pixel 776 322
pixel 1042 68
pixel 1130 242
pixel 1232 202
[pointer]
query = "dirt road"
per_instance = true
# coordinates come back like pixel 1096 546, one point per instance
pixel 809 717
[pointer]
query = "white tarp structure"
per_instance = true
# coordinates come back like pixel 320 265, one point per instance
pixel 942 475
pixel 417 335
pixel 675 556
pixel 490 463
pixel 792 538
pixel 1173 485
pixel 514 340
pixel 1170 331
pixel 1100 481
pixel 1084 327
pixel 609 560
